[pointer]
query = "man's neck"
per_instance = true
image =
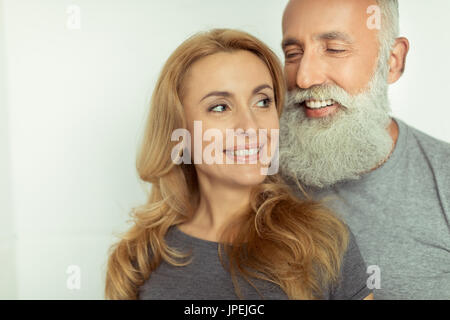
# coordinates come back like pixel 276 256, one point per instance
pixel 393 132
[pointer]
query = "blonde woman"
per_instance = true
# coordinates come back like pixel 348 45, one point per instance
pixel 224 230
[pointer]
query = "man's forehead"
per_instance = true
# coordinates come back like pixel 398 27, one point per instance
pixel 324 16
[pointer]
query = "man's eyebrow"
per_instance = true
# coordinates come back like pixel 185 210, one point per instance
pixel 289 42
pixel 334 35
pixel 331 35
pixel 228 94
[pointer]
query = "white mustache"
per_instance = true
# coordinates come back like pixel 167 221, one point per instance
pixel 321 93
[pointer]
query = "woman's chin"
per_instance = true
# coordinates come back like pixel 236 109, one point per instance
pixel 246 175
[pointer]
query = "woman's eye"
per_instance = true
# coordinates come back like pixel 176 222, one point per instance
pixel 264 103
pixel 218 108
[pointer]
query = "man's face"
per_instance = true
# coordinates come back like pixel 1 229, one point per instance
pixel 328 43
pixel 334 125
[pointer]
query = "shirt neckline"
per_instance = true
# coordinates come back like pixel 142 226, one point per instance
pixel 396 155
pixel 392 162
pixel 191 239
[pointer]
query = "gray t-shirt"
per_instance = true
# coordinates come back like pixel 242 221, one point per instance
pixel 400 216
pixel 206 279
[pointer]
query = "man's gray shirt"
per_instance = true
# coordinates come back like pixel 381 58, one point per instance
pixel 400 214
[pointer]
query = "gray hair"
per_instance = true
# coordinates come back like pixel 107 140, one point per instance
pixel 390 27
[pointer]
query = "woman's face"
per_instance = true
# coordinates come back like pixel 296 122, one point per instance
pixel 230 97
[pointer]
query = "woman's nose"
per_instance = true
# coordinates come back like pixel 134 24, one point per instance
pixel 246 128
pixel 246 121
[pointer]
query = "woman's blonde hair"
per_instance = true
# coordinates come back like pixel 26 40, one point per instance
pixel 296 244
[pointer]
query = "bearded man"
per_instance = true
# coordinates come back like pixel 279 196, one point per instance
pixel 388 181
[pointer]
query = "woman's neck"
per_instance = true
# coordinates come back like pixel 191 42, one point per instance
pixel 218 202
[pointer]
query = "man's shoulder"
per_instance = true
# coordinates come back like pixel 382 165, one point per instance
pixel 434 149
pixel 437 155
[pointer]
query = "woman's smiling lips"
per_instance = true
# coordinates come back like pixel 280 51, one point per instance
pixel 244 153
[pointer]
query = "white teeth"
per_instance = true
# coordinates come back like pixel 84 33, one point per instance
pixel 246 152
pixel 318 104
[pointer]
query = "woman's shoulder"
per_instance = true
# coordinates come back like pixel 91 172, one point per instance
pixel 352 284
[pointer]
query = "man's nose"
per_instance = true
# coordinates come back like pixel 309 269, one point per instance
pixel 310 71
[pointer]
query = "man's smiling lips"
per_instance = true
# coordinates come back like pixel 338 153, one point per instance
pixel 319 108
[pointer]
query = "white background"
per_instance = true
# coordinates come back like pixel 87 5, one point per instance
pixel 72 109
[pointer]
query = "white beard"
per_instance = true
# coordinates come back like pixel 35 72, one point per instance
pixel 342 146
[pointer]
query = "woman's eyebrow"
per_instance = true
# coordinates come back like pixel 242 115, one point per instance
pixel 261 87
pixel 228 94
pixel 217 93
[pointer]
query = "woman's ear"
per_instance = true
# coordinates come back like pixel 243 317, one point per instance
pixel 397 60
